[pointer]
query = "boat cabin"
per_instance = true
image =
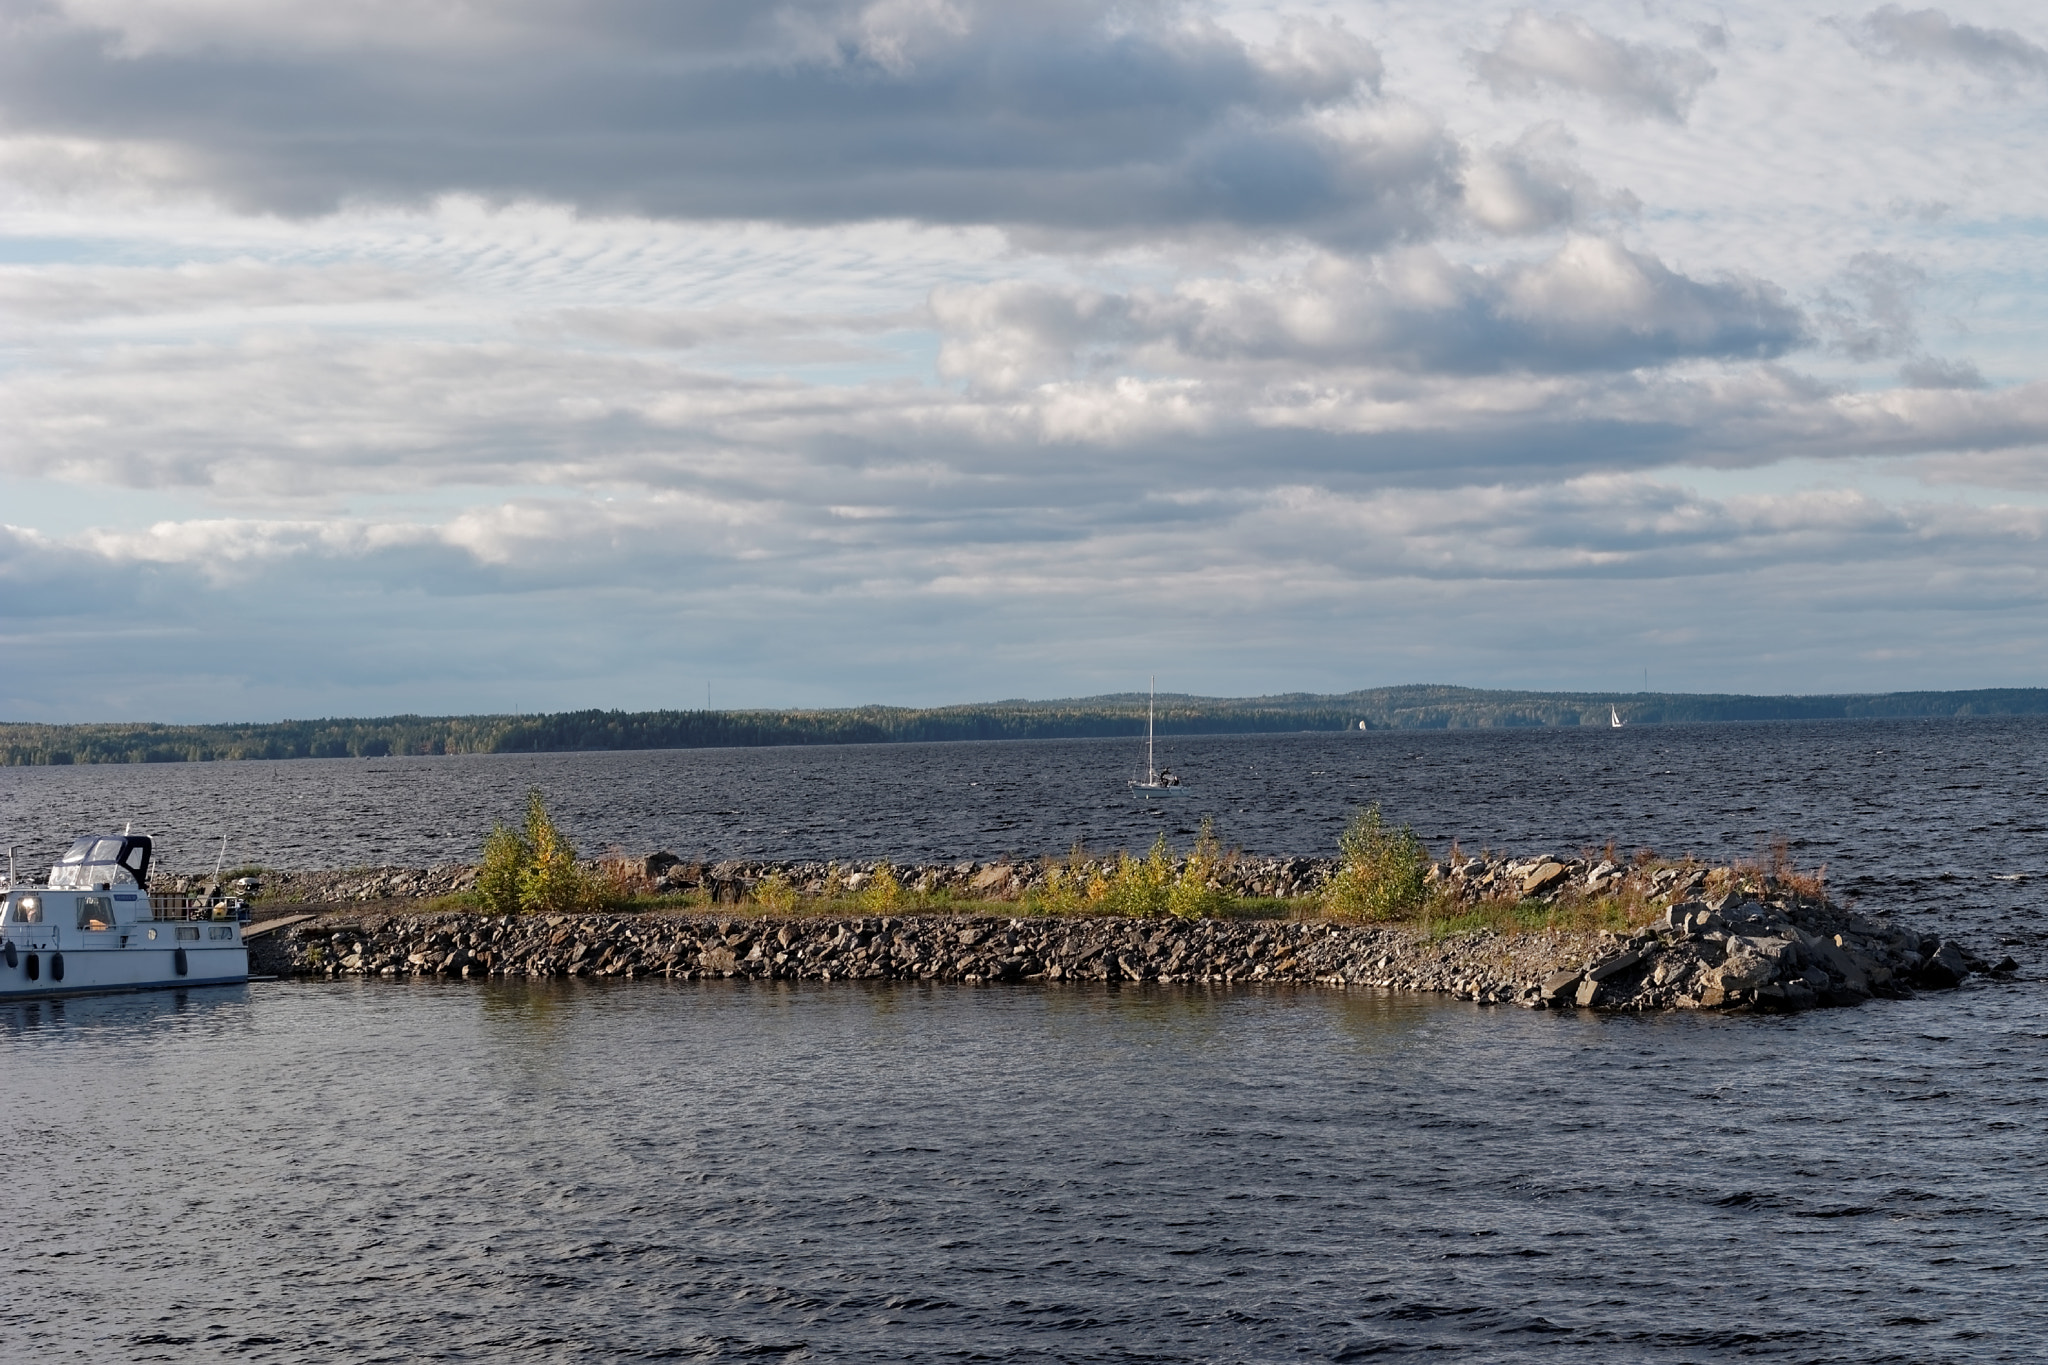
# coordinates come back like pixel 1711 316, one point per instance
pixel 100 884
pixel 104 862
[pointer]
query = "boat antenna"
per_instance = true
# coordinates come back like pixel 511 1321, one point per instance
pixel 221 861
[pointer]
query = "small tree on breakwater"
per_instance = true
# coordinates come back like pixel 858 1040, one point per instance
pixel 534 869
pixel 1384 874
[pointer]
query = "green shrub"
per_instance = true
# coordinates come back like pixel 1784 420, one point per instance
pixel 498 876
pixel 883 892
pixel 775 893
pixel 534 870
pixel 1066 888
pixel 1135 887
pixel 1383 873
pixel 1192 896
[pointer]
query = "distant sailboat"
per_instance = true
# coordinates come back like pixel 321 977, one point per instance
pixel 1156 781
pixel 1614 720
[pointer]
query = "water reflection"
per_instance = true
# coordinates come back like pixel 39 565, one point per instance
pixel 140 1013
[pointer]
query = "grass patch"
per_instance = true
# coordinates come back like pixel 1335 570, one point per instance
pixel 1615 914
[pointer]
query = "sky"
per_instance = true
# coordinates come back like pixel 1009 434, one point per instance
pixel 441 356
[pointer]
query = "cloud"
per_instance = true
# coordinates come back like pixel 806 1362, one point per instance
pixel 1932 372
pixel 1532 185
pixel 72 295
pixel 1061 118
pixel 368 616
pixel 1930 37
pixel 1872 310
pixel 1536 52
pixel 1221 385
pixel 1592 305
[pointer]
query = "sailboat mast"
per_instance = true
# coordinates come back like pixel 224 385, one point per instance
pixel 1151 698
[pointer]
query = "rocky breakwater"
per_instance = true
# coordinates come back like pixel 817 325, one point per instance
pixel 1783 953
pixel 968 949
pixel 1746 956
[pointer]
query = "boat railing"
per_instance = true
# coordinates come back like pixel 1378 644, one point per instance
pixel 169 907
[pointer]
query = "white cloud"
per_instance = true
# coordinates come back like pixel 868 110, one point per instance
pixel 1536 51
pixel 1591 305
pixel 1930 36
pixel 1531 576
pixel 1064 118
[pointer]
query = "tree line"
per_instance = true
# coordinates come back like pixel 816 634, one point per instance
pixel 1419 707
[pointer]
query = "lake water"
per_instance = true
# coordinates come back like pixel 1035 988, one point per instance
pixel 665 1171
pixel 378 1172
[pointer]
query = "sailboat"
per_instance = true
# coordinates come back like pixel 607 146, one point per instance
pixel 1614 720
pixel 1157 782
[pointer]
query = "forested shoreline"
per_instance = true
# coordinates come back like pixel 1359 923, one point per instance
pixel 1418 707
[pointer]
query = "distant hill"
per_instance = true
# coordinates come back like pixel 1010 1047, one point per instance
pixel 1419 707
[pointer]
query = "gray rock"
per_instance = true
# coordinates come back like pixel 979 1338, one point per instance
pixel 1613 966
pixel 1947 967
pixel 1743 971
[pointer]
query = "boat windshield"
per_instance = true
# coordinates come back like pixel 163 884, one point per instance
pixel 102 861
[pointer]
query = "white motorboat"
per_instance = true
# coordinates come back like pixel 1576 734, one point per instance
pixel 93 926
pixel 1158 781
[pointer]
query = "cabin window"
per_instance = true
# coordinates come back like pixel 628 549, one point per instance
pixel 28 910
pixel 184 932
pixel 96 913
pixel 224 931
pixel 135 858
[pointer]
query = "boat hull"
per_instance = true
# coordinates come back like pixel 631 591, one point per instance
pixel 91 970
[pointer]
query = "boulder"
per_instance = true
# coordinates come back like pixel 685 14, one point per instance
pixel 1546 876
pixel 995 878
pixel 1743 971
pixel 1561 985
pixel 1839 962
pixel 1679 915
pixel 1947 967
pixel 1613 966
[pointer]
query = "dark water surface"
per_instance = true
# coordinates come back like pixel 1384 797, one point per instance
pixel 656 1171
pixel 1941 817
pixel 645 1171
